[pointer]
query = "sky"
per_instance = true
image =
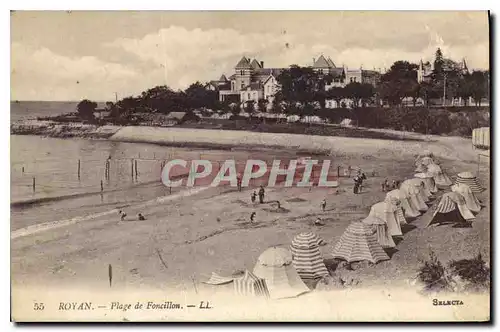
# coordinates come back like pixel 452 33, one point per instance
pixel 76 55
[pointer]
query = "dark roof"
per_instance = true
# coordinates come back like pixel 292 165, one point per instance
pixel 255 64
pixel 321 63
pixel 268 71
pixel 254 86
pixel 243 64
pixel 330 62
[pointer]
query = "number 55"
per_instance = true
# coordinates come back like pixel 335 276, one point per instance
pixel 38 306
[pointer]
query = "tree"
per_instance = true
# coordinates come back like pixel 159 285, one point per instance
pixel 262 105
pixel 398 83
pixel 302 85
pixel 197 96
pixel 479 86
pixel 86 109
pixel 250 107
pixel 336 93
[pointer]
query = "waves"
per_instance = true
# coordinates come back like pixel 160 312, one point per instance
pixel 34 229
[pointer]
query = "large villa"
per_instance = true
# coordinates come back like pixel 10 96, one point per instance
pixel 252 81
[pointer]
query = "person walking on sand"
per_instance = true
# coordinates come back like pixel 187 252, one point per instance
pixel 356 184
pixel 141 217
pixel 262 193
pixel 238 181
pixel 362 177
pixel 253 196
pixel 323 205
pixel 252 217
pixel 122 215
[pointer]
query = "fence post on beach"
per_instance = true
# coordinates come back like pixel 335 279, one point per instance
pixel 132 168
pixel 136 169
pixel 33 184
pixel 102 187
pixel 78 169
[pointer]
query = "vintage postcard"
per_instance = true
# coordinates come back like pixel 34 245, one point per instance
pixel 278 166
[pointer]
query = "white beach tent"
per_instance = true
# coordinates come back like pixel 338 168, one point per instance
pixel 409 210
pixel 359 243
pixel 470 199
pixel 429 183
pixel 439 176
pixel 451 209
pixel 419 184
pixel 471 180
pixel 383 237
pixel 306 256
pixel 275 266
pixel 387 212
pixel 414 196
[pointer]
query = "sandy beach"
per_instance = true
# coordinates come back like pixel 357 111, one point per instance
pixel 209 230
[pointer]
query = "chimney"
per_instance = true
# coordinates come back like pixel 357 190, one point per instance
pixel 262 64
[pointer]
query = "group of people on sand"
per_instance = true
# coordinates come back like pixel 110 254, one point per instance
pixel 358 182
pixel 123 215
pixel 262 194
pixel 388 187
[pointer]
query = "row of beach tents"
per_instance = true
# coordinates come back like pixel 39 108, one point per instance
pixel 280 272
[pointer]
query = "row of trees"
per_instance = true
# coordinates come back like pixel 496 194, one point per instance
pixel 303 92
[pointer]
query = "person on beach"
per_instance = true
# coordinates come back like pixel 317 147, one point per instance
pixel 141 217
pixel 122 215
pixel 252 217
pixel 397 184
pixel 238 181
pixel 323 205
pixel 262 193
pixel 356 184
pixel 318 222
pixel 253 197
pixel 362 177
pixel 394 184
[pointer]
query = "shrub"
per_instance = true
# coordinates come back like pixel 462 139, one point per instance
pixel 433 275
pixel 473 271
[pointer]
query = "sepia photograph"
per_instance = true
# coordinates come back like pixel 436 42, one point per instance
pixel 250 166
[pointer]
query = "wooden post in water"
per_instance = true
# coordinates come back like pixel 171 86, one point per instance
pixel 33 184
pixel 78 169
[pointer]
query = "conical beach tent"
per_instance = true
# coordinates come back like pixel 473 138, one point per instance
pixel 387 212
pixel 470 199
pixel 250 285
pixel 306 256
pixel 429 183
pixel 383 237
pixel 409 210
pixel 451 209
pixel 439 176
pixel 359 243
pixel 414 196
pixel 469 179
pixel 275 266
pixel 425 195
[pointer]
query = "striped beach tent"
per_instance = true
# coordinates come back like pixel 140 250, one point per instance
pixel 275 266
pixel 359 243
pixel 451 209
pixel 413 194
pixel 471 180
pixel 250 285
pixel 216 279
pixel 470 199
pixel 439 176
pixel 306 256
pixel 387 212
pixel 409 210
pixel 383 237
pixel 429 183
